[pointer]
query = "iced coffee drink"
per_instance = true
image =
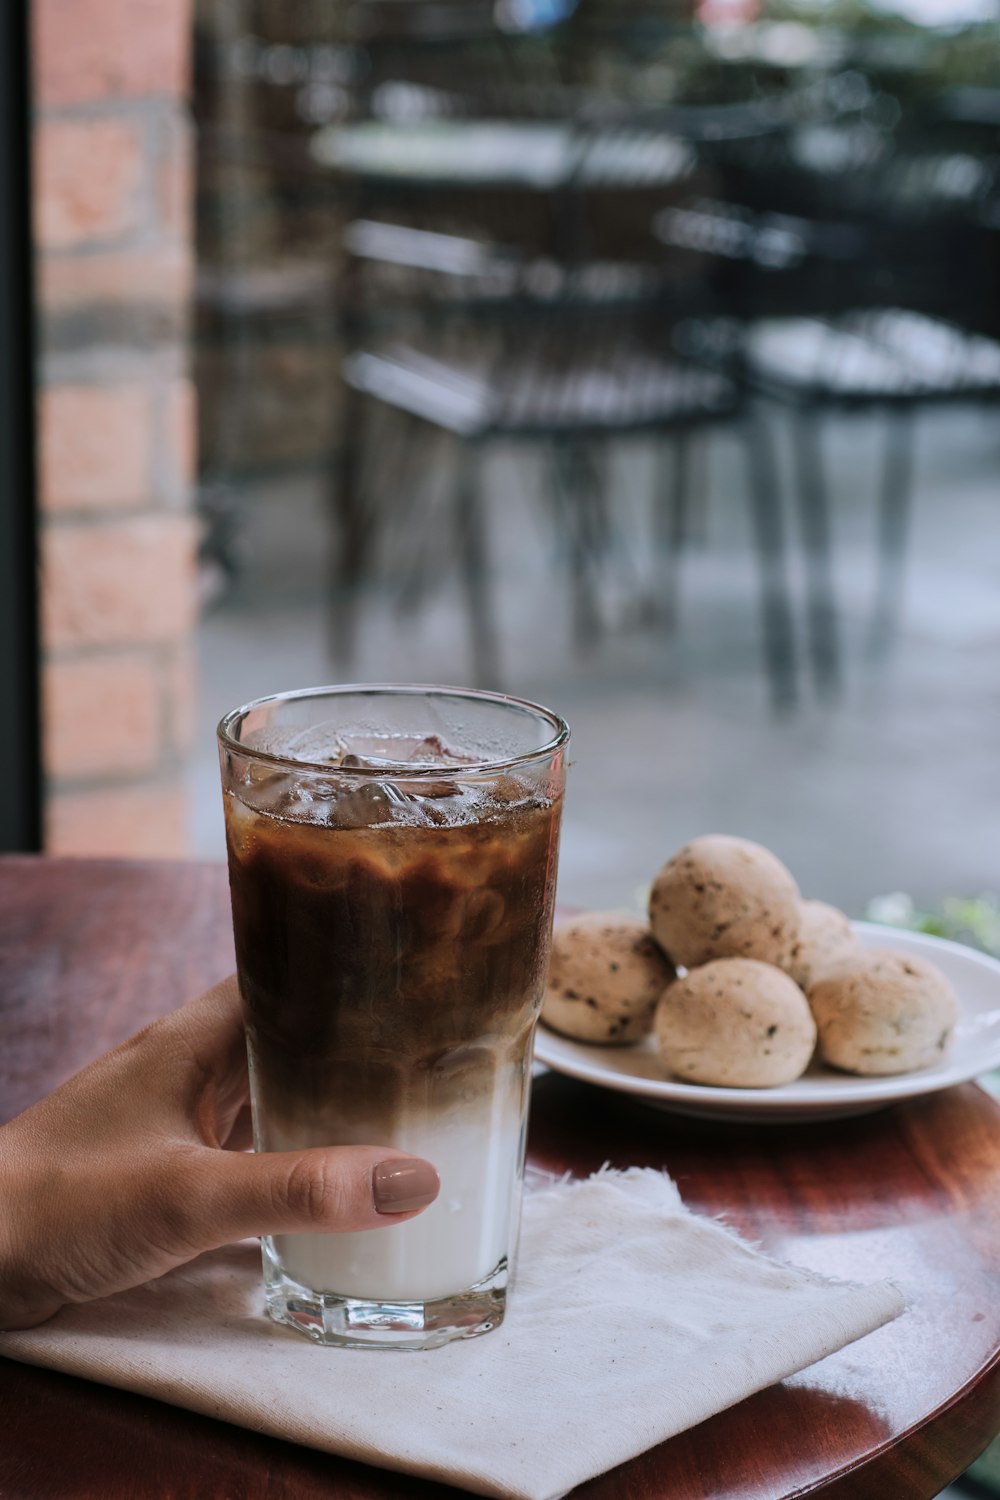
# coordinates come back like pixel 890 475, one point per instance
pixel 392 860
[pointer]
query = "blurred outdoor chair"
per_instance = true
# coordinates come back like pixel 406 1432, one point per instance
pixel 890 359
pixel 574 302
pixel 838 307
pixel 580 356
pixel 764 264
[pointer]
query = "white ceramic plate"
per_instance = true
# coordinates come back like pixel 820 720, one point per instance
pixel 820 1093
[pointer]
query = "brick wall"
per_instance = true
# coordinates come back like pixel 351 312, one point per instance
pixel 116 420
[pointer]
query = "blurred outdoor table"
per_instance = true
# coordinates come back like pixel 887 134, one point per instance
pixel 91 950
pixel 531 154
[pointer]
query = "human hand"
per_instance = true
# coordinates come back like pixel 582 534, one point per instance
pixel 120 1174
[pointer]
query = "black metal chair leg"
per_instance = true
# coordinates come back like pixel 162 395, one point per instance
pixel 591 467
pixel 349 535
pixel 592 497
pixel 893 526
pixel 470 534
pixel 765 501
pixel 419 549
pixel 573 486
pixel 697 506
pixel 672 526
pixel 814 517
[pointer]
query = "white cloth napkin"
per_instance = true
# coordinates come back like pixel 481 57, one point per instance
pixel 632 1320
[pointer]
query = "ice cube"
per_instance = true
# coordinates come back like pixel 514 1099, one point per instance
pixel 376 751
pixel 355 762
pixel 366 805
pixel 239 824
pixel 432 751
pixel 316 743
pixel 423 753
pixel 268 790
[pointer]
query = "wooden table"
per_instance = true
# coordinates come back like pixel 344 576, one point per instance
pixel 91 950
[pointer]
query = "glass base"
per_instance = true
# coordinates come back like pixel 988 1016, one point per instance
pixel 363 1323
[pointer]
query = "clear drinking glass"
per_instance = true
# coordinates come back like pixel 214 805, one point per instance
pixel 392 861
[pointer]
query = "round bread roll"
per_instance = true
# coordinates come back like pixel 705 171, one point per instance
pixel 605 977
pixel 826 938
pixel 736 1023
pixel 883 1012
pixel 722 897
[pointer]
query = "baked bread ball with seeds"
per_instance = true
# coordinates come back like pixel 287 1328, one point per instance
pixel 722 897
pixel 605 976
pixel 826 938
pixel 881 1012
pixel 735 1023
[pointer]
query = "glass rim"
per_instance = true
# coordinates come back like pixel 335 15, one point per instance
pixel 560 737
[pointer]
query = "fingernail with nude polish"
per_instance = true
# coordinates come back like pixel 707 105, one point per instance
pixel 402 1185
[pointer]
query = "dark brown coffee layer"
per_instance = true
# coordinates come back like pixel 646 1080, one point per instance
pixel 392 967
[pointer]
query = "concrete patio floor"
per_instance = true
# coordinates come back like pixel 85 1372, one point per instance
pixel 892 787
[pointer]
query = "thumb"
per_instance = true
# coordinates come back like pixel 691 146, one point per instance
pixel 326 1190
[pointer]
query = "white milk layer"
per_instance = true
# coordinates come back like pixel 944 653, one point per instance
pixel 453 1244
